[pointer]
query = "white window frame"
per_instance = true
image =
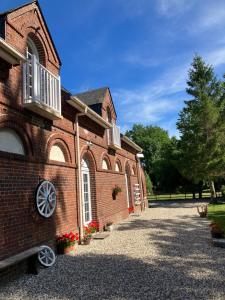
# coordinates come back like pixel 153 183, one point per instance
pixel 86 171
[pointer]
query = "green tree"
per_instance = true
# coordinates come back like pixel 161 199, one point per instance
pixel 201 125
pixel 152 139
pixel 158 149
pixel 148 184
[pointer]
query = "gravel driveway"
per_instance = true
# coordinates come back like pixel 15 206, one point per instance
pixel 165 253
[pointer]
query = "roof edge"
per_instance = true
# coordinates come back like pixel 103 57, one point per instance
pixel 131 143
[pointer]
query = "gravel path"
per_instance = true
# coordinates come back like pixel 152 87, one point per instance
pixel 163 254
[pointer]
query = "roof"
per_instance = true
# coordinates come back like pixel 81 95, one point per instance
pixel 93 96
pixel 16 8
pixel 28 3
pixel 131 143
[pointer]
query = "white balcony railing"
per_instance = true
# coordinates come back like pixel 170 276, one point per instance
pixel 42 89
pixel 114 137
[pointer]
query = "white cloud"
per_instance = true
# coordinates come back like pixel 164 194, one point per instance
pixel 211 15
pixel 207 17
pixel 138 59
pixel 216 57
pixel 170 8
pixel 155 103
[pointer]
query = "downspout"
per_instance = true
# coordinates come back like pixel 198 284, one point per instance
pixel 80 201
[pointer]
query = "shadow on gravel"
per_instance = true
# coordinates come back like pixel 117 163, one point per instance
pixel 116 277
pixel 182 265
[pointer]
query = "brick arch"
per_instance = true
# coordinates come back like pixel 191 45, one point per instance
pixel 89 157
pixel 34 27
pixel 40 45
pixel 57 139
pixel 117 160
pixel 86 150
pixel 22 133
pixel 105 156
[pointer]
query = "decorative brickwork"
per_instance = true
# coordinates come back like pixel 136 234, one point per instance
pixel 21 227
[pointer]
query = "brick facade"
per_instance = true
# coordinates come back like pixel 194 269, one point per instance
pixel 21 227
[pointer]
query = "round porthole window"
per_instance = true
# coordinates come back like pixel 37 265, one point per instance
pixel 46 199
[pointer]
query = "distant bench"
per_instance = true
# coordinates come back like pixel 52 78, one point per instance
pixel 28 254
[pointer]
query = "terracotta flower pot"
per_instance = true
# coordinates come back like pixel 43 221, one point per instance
pixel 70 250
pixel 86 242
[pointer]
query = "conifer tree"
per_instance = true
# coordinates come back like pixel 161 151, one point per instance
pixel 202 127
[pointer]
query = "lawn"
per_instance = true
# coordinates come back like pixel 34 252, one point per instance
pixel 216 213
pixel 177 196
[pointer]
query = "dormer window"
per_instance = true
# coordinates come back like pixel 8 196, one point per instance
pixel 42 89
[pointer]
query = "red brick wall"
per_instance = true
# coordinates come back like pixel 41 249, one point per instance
pixel 21 226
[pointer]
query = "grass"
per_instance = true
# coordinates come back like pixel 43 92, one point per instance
pixel 168 197
pixel 216 213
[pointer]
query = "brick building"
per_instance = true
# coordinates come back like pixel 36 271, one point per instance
pixel 55 143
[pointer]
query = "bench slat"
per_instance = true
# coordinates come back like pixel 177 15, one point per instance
pixel 18 257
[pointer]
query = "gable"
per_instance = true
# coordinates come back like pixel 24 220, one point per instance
pixel 99 100
pixel 29 19
pixel 108 104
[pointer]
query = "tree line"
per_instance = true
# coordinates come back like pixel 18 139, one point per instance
pixel 196 159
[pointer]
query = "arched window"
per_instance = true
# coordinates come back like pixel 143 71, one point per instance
pixel 57 154
pixel 11 142
pixel 32 49
pixel 118 167
pixel 86 191
pixel 105 164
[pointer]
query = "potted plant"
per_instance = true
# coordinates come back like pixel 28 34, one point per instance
pixel 216 231
pixel 89 230
pixel 115 191
pixel 109 226
pixel 130 209
pixel 202 210
pixel 66 243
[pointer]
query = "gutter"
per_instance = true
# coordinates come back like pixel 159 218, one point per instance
pixel 10 54
pixel 131 143
pixel 78 104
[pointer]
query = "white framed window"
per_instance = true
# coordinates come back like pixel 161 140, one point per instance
pixel 86 192
pixel 105 164
pixel 117 167
pixel 10 142
pixel 32 49
pixel 57 154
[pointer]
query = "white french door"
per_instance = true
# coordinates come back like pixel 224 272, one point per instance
pixel 86 193
pixel 127 188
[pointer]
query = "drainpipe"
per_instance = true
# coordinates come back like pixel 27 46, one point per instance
pixel 77 147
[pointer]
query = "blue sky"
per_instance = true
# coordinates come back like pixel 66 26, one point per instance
pixel 141 49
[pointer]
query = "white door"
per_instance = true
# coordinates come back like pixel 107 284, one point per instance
pixel 32 69
pixel 86 192
pixel 127 188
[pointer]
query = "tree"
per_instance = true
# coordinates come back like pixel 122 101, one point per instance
pixel 152 140
pixel 148 184
pixel 201 125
